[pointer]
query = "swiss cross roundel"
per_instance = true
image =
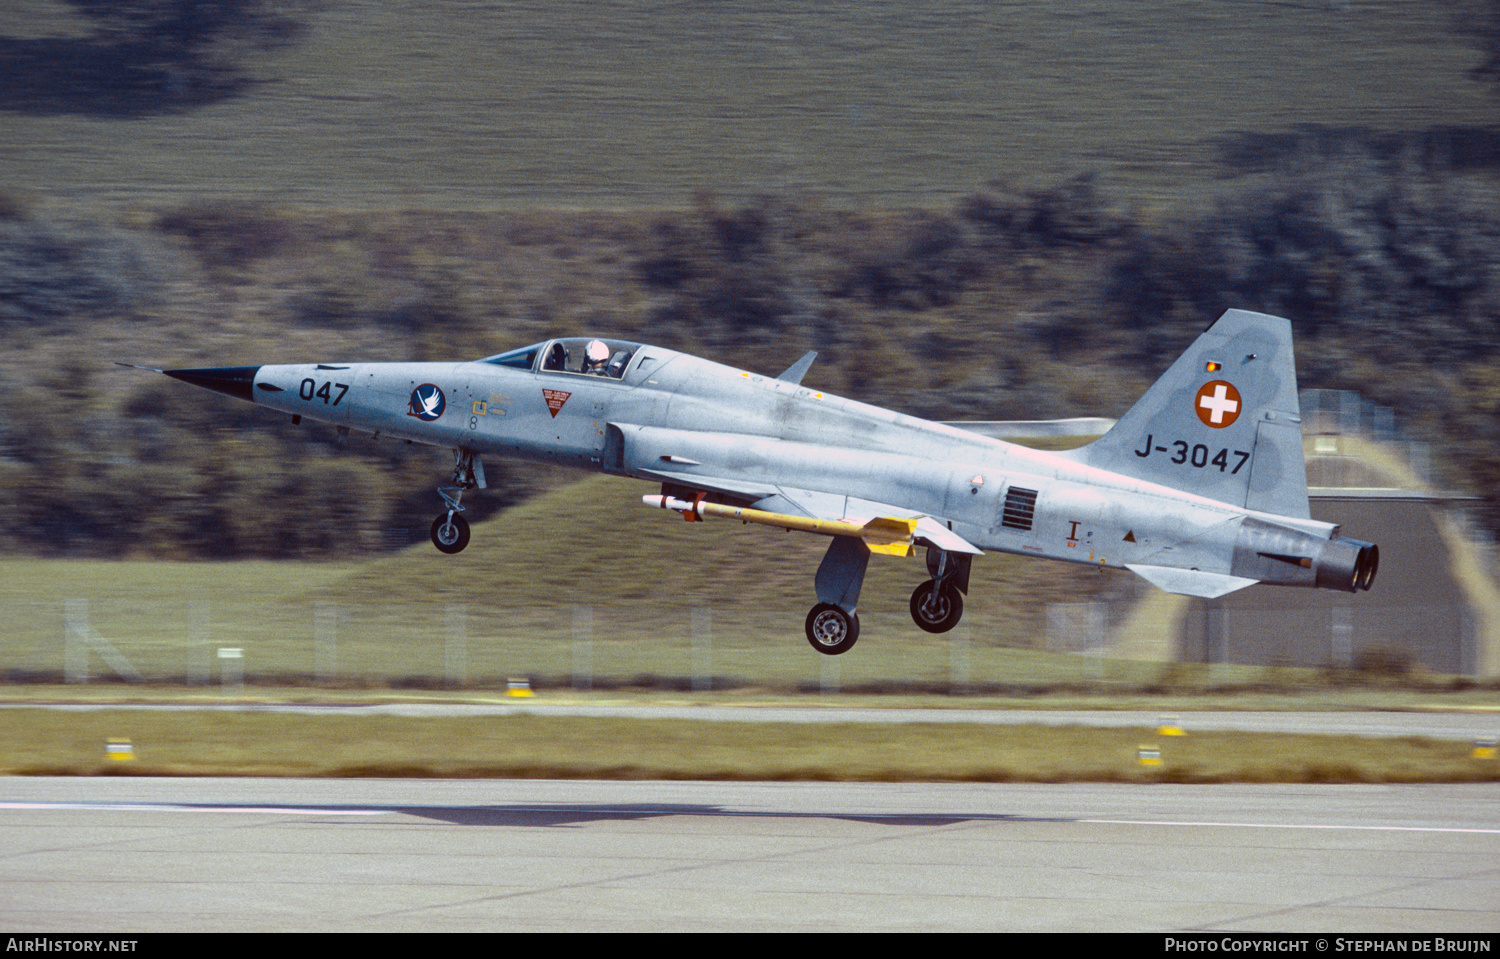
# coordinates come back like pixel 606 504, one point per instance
pixel 1217 404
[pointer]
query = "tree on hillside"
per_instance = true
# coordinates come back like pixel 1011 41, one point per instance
pixel 1485 28
pixel 146 56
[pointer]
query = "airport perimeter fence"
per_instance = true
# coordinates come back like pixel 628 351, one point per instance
pixel 228 647
pixel 225 650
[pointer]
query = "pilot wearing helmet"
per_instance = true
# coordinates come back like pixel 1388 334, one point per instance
pixel 596 358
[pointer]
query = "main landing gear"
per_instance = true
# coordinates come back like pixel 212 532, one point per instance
pixel 833 626
pixel 831 630
pixel 450 531
pixel 936 606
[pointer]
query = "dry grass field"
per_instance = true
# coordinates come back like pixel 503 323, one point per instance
pixel 474 105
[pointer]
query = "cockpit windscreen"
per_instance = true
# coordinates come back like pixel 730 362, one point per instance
pixel 587 356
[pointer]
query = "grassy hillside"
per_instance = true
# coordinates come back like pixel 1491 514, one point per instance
pixel 586 581
pixel 583 571
pixel 593 542
pixel 466 105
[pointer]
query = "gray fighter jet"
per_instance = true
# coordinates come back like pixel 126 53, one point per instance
pixel 1200 488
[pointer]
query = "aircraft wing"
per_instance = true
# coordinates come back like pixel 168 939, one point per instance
pixel 684 460
pixel 884 528
pixel 850 509
pixel 740 489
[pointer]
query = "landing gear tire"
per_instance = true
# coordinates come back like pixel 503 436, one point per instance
pixel 450 533
pixel 830 630
pixel 936 608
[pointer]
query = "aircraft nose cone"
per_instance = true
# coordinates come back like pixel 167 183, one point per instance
pixel 231 380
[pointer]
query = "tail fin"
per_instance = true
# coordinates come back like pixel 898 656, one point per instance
pixel 1222 422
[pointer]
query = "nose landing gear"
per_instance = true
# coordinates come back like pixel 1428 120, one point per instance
pixel 450 531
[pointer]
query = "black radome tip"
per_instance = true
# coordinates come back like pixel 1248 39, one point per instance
pixel 233 381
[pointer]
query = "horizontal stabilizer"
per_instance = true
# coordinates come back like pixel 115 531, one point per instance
pixel 1033 429
pixel 1190 582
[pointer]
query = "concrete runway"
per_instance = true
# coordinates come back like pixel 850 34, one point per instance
pixel 117 854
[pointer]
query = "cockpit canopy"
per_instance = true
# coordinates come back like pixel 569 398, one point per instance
pixel 583 355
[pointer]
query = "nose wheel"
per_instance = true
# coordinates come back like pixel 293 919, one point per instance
pixel 831 630
pixel 450 532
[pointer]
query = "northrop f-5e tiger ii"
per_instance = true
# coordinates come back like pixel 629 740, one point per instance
pixel 1200 487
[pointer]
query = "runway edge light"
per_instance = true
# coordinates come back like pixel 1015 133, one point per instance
pixel 520 688
pixel 119 750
